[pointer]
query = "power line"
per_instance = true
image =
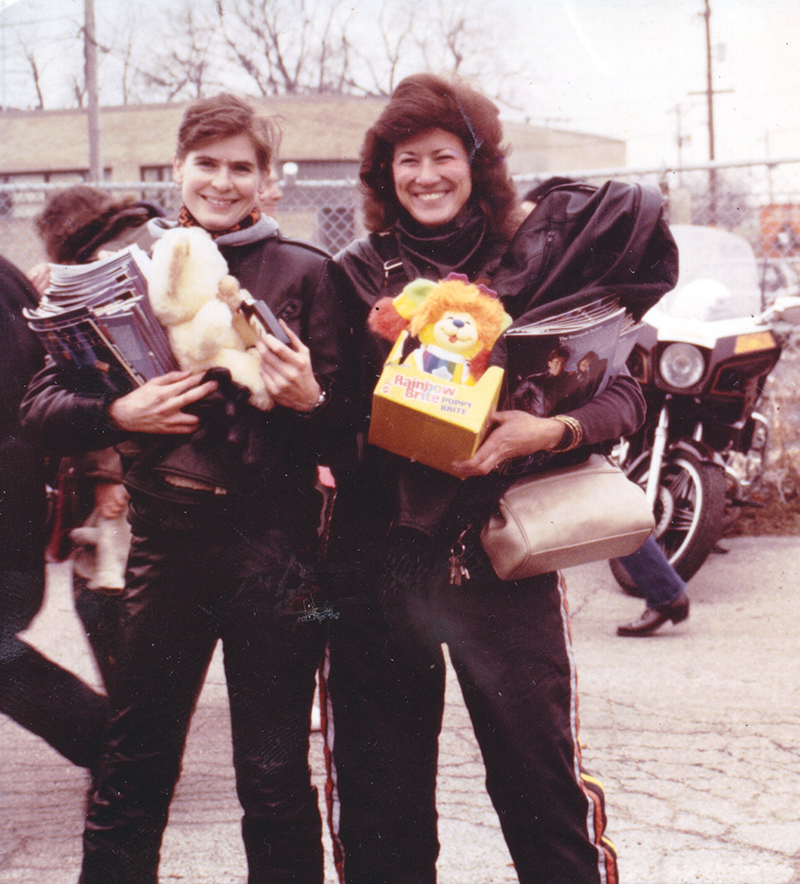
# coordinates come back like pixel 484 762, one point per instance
pixel 36 21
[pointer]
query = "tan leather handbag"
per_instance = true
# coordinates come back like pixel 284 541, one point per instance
pixel 566 516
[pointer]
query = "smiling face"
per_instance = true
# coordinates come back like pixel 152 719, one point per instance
pixel 219 181
pixel 456 332
pixel 432 177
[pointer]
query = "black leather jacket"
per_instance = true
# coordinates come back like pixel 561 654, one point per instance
pixel 579 243
pixel 22 476
pixel 301 285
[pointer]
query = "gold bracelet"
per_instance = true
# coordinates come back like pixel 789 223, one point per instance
pixel 573 428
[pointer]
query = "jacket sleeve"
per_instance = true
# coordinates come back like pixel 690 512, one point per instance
pixel 21 354
pixel 618 411
pixel 329 332
pixel 61 419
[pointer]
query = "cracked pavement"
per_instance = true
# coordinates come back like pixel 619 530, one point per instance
pixel 695 733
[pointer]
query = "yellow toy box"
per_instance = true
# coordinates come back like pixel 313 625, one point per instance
pixel 433 421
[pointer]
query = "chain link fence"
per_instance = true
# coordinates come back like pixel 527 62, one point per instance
pixel 760 202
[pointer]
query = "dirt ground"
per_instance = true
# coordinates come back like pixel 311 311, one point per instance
pixel 773 510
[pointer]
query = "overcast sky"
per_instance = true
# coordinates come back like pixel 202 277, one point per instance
pixel 624 68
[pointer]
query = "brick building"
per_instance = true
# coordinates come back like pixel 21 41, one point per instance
pixel 321 134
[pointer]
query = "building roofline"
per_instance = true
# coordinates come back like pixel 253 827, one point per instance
pixel 175 105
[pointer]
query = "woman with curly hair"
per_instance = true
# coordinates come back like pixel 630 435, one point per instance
pixel 438 199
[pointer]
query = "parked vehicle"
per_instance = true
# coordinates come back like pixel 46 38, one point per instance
pixel 777 279
pixel 702 356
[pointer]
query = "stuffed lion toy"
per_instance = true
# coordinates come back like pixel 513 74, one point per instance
pixel 455 323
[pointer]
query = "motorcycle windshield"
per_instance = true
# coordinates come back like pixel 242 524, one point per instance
pixel 718 276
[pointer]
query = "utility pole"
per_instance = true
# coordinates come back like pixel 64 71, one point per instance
pixel 680 139
pixel 709 83
pixel 712 175
pixel 709 92
pixel 93 105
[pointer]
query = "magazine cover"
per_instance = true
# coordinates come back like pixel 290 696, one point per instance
pixel 96 319
pixel 561 363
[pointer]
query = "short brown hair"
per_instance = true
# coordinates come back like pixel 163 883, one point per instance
pixel 226 116
pixel 427 101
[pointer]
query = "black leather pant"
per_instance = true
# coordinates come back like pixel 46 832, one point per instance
pixel 194 579
pixel 509 645
pixel 100 614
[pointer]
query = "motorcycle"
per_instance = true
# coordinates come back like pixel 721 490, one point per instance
pixel 702 356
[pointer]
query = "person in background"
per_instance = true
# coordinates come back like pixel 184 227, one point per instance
pixel 35 692
pixel 80 222
pixel 664 590
pixel 270 194
pixel 534 196
pixel 224 514
pixel 77 225
pixel 439 199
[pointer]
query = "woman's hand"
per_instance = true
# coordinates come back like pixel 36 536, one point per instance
pixel 39 277
pixel 515 434
pixel 156 407
pixel 287 372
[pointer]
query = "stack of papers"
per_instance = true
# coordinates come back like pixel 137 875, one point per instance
pixel 96 319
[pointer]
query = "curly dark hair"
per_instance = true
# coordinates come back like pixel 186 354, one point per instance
pixel 427 101
pixel 226 116
pixel 78 220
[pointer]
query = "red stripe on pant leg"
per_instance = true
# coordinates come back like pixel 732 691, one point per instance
pixel 591 786
pixel 593 789
pixel 331 786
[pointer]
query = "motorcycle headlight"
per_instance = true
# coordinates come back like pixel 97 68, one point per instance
pixel 681 365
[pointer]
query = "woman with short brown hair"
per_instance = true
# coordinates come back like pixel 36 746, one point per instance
pixel 224 515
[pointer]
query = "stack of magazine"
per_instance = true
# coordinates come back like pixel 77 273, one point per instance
pixel 561 362
pixel 96 319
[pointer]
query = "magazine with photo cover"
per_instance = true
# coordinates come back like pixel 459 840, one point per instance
pixel 96 319
pixel 560 363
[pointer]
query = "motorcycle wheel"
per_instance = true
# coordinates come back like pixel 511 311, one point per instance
pixel 689 514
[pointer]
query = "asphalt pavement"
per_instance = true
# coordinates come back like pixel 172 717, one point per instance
pixel 695 733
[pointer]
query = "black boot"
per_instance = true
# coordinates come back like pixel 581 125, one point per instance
pixel 653 618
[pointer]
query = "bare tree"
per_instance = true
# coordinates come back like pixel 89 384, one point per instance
pixel 472 40
pixel 35 70
pixel 455 38
pixel 289 46
pixel 78 88
pixel 125 53
pixel 280 46
pixel 189 68
pixel 395 33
